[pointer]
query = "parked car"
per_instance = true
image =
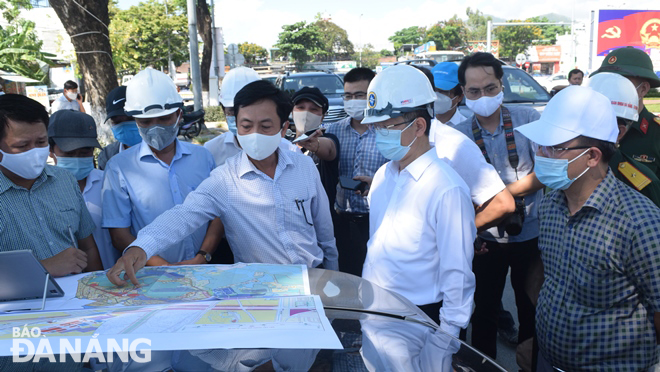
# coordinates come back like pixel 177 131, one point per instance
pixel 553 80
pixel 270 77
pixel 328 83
pixel 428 63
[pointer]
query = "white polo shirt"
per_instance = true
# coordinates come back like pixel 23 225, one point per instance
pixel 422 231
pixel 226 145
pixel 62 103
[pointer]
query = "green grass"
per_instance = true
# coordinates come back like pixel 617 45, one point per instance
pixel 654 107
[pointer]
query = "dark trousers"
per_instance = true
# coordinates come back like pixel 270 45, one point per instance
pixel 352 235
pixel 490 271
pixel 432 310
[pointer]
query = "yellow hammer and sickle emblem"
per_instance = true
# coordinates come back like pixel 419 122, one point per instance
pixel 612 33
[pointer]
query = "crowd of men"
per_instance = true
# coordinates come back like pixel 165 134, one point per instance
pixel 406 192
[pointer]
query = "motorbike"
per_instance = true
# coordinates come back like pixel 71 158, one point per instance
pixel 193 122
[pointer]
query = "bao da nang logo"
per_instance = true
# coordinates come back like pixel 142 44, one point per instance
pixel 30 345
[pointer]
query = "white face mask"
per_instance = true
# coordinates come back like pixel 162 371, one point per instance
pixel 72 95
pixel 485 106
pixel 28 165
pixel 442 104
pixel 355 108
pixel 259 146
pixel 306 120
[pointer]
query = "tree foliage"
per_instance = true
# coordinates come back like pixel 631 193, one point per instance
pixel 549 33
pixel 370 57
pixel 302 41
pixel 334 38
pixel 20 48
pixel 139 36
pixel 410 35
pixel 252 52
pixel 447 35
pixel 477 24
pixel 516 39
pixel 386 53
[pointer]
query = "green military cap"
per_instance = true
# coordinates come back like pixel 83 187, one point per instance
pixel 630 61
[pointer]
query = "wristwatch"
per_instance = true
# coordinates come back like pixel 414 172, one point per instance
pixel 206 255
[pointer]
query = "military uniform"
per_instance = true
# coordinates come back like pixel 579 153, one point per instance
pixel 642 141
pixel 636 175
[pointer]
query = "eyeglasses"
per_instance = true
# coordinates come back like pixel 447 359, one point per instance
pixel 489 91
pixel 555 152
pixel 356 95
pixel 385 130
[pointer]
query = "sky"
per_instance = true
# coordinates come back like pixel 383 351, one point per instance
pixel 260 21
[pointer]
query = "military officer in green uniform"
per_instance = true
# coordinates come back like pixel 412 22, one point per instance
pixel 642 141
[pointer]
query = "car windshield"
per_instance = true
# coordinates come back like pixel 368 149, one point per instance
pixel 329 85
pixel 520 87
pixel 445 57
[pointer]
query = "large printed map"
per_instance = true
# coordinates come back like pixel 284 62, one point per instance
pixel 169 284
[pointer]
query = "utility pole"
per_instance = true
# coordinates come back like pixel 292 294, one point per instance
pixel 169 52
pixel 361 45
pixel 194 55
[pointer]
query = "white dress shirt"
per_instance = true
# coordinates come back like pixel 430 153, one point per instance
pixel 62 103
pixel 281 220
pixel 455 120
pixel 226 145
pixel 464 156
pixel 422 231
pixel 92 196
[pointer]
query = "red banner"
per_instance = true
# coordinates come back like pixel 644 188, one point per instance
pixel 621 28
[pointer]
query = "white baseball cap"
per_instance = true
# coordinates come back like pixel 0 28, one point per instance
pixel 575 111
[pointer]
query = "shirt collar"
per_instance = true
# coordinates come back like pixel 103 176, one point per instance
pixel 500 126
pixel 603 193
pixel 417 167
pixel 6 183
pixel 180 150
pixel 642 115
pixel 94 176
pixel 245 166
pixel 231 138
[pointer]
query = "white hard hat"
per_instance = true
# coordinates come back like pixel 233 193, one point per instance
pixel 575 111
pixel 620 91
pixel 151 94
pixel 234 81
pixel 395 91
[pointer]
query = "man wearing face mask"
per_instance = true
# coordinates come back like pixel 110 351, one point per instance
pixel 40 204
pixel 271 201
pixel 69 100
pixel 450 95
pixel 599 307
pixel 226 145
pixel 421 218
pixel 72 139
pixel 148 179
pixel 123 127
pixel 514 242
pixel 642 141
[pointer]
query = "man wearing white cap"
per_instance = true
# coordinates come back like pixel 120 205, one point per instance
pixel 153 176
pixel 599 240
pixel 226 145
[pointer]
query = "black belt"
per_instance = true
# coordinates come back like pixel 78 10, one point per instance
pixel 354 216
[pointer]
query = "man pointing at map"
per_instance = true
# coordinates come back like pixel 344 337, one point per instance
pixel 271 202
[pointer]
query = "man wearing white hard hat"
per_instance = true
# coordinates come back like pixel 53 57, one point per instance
pixel 421 219
pixel 625 101
pixel 226 145
pixel 600 242
pixel 153 176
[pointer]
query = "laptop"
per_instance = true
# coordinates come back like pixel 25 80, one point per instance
pixel 22 277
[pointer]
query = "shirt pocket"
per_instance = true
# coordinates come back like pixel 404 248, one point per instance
pixel 597 285
pixel 68 217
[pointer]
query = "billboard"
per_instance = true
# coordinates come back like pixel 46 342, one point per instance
pixel 474 46
pixel 619 28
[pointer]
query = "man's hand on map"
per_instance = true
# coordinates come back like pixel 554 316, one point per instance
pixel 69 261
pixel 133 260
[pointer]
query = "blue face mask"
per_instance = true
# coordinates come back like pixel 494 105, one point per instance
pixel 554 172
pixel 127 133
pixel 79 167
pixel 389 144
pixel 231 124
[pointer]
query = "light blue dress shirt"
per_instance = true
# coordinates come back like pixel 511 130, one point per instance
pixel 281 220
pixel 138 187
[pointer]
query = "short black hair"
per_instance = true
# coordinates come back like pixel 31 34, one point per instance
pixel 608 149
pixel 457 90
pixel 359 74
pixel 575 71
pixel 261 90
pixel 479 59
pixel 17 107
pixel 70 84
pixel 421 113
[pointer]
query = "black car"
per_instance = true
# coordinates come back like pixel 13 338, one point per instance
pixel 328 83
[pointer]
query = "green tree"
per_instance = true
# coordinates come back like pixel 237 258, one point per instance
pixel 447 35
pixel 516 39
pixel 477 24
pixel 302 41
pixel 370 57
pixel 139 36
pixel 252 52
pixel 20 48
pixel 386 53
pixel 411 35
pixel 334 38
pixel 549 33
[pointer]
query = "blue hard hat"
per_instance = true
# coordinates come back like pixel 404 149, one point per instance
pixel 445 75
